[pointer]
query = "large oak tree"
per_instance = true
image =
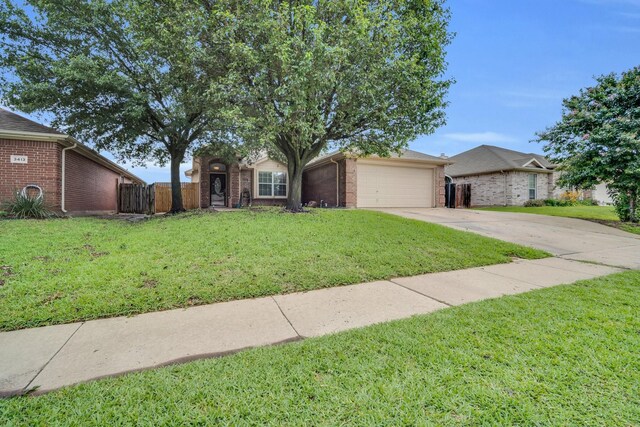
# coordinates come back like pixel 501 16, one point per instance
pixel 361 76
pixel 598 139
pixel 126 75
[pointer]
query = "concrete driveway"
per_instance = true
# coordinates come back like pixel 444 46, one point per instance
pixel 566 237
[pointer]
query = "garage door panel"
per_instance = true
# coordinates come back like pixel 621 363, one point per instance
pixel 388 186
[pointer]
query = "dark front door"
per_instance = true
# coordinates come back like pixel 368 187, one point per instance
pixel 218 189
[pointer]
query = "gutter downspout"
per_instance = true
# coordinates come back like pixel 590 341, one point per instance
pixel 337 182
pixel 64 150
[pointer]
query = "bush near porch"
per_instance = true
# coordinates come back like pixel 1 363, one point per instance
pixel 65 270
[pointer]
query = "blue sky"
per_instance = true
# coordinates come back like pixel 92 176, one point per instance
pixel 514 61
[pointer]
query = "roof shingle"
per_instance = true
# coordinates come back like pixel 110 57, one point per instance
pixel 489 158
pixel 13 122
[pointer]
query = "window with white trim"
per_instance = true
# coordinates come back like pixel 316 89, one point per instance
pixel 533 186
pixel 272 184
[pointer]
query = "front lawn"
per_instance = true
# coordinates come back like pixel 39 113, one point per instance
pixel 560 356
pixel 602 214
pixel 63 270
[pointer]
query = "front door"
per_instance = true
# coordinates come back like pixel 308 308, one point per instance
pixel 218 189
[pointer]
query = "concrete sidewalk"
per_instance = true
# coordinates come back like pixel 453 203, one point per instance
pixel 55 356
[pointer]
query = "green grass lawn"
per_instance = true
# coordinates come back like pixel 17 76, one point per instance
pixel 560 356
pixel 602 214
pixel 58 271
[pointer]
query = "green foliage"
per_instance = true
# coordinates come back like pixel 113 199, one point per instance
pixel 534 203
pixel 587 202
pixel 358 76
pixel 556 202
pixel 88 268
pixel 597 213
pixel 125 75
pixel 598 137
pixel 562 356
pixel 24 206
pixel 622 203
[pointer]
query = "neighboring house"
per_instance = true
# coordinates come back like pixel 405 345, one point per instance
pixel 601 194
pixel 73 177
pixel 499 176
pixel 411 179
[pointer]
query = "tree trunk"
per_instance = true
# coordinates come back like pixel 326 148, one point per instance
pixel 633 217
pixel 176 188
pixel 294 197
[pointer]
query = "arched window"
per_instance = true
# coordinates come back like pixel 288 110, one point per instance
pixel 217 167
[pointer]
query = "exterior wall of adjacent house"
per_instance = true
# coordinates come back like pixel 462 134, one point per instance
pixel 42 169
pixel 89 186
pixel 505 189
pixel 601 194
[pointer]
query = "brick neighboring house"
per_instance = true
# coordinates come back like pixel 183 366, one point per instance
pixel 34 154
pixel 502 177
pixel 411 179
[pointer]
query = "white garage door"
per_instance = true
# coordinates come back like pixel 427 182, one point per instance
pixel 394 186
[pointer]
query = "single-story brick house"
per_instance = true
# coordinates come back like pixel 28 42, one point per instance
pixel 410 179
pixel 503 177
pixel 73 177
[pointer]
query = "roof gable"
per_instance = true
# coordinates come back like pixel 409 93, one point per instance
pixel 488 158
pixel 13 122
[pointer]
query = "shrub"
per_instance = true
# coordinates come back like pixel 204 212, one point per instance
pixel 621 203
pixel 587 202
pixel 570 197
pixel 25 205
pixel 534 203
pixel 556 202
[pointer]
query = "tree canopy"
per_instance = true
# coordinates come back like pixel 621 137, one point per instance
pixel 598 138
pixel 126 75
pixel 359 76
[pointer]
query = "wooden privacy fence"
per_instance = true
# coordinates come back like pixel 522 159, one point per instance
pixel 136 198
pixel 457 196
pixel 154 198
pixel 190 199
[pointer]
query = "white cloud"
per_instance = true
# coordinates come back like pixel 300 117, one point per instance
pixel 479 137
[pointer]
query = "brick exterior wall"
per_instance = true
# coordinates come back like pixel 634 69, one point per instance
pixel 319 185
pixel 237 180
pixel 510 188
pixel 42 169
pixel 439 177
pixel 349 191
pixel 89 186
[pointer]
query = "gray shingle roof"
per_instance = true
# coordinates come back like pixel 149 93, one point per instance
pixel 488 158
pixel 406 154
pixel 13 122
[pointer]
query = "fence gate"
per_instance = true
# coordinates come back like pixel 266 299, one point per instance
pixel 457 195
pixel 136 198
